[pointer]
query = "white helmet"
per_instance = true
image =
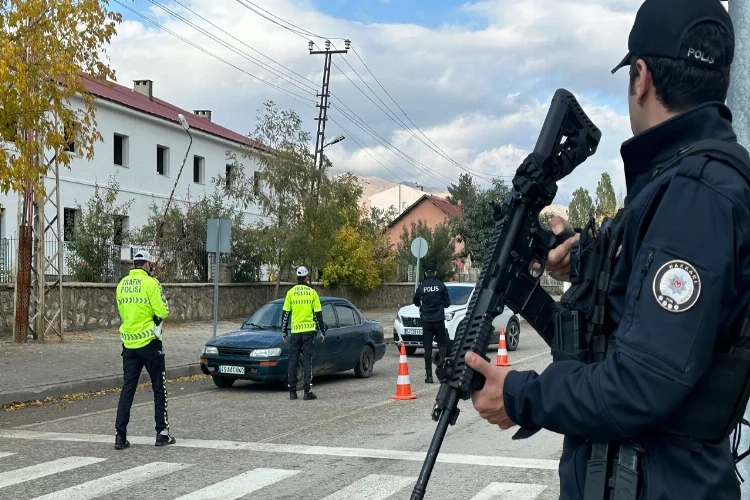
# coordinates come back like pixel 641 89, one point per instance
pixel 301 271
pixel 143 255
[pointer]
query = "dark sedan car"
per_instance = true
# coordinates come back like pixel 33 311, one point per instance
pixel 257 352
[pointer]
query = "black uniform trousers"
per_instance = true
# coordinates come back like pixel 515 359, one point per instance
pixel 304 342
pixel 133 360
pixel 433 330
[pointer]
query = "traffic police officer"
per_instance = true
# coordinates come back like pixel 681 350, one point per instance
pixel 303 310
pixel 431 297
pixel 677 293
pixel 142 309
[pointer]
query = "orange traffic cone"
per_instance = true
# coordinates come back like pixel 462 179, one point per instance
pixel 502 350
pixel 403 385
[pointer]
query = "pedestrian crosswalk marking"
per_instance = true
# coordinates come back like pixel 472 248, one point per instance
pixel 17 476
pixel 240 485
pixel 4 454
pixel 115 482
pixel 295 449
pixel 372 487
pixel 510 491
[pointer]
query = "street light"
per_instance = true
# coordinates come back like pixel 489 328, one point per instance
pixel 336 139
pixel 159 228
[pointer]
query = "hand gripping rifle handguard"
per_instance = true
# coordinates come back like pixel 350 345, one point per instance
pixel 514 263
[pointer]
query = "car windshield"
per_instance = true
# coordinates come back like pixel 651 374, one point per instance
pixel 459 294
pixel 268 316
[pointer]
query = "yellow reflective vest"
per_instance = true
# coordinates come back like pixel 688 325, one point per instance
pixel 139 299
pixel 303 302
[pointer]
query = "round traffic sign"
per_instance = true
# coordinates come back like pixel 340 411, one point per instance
pixel 419 247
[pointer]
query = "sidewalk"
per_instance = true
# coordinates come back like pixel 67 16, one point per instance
pixel 91 361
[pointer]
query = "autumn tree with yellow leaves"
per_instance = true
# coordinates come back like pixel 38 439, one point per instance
pixel 46 46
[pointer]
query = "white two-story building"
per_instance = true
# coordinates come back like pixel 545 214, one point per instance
pixel 143 143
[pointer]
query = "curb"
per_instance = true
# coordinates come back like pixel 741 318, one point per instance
pixel 88 385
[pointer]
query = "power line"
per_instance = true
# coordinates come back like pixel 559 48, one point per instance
pixel 231 47
pixel 289 93
pixel 301 32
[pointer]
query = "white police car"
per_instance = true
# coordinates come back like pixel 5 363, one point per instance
pixel 407 327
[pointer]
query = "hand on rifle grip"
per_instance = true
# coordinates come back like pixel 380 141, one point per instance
pixel 558 259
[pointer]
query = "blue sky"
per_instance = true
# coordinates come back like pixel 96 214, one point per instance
pixel 430 13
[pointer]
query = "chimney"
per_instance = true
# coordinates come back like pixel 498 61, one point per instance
pixel 203 113
pixel 145 87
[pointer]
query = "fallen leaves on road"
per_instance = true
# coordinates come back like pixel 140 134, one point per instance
pixel 84 395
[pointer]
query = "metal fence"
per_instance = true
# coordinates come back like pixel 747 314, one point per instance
pixel 177 262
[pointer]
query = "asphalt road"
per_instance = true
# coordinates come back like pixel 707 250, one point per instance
pixel 354 442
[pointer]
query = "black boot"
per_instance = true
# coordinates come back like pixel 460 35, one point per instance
pixel 292 394
pixel 309 395
pixel 164 439
pixel 428 379
pixel 121 442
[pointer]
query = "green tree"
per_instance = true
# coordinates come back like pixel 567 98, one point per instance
pixel 281 185
pixel 463 192
pixel 94 248
pixel 476 226
pixel 351 262
pixel 183 246
pixel 581 208
pixel 606 200
pixel 440 248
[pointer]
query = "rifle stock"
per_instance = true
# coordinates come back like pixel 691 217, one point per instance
pixel 514 263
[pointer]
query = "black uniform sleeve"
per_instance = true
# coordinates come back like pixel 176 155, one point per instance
pixel 683 272
pixel 446 297
pixel 285 317
pixel 418 296
pixel 318 316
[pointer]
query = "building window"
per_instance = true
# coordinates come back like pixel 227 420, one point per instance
pixel 256 183
pixel 121 150
pixel 69 221
pixel 121 226
pixel 230 170
pixel 199 164
pixel 70 133
pixel 162 160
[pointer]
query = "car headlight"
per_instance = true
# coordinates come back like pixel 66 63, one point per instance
pixel 210 350
pixel 449 316
pixel 266 353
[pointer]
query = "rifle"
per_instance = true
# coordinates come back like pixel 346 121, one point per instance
pixel 514 263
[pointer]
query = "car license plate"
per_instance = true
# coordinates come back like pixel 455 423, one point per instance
pixel 412 331
pixel 238 370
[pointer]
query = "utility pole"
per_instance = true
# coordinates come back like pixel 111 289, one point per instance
pixel 737 100
pixel 33 316
pixel 323 106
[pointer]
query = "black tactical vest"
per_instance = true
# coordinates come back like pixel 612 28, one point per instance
pixel 717 403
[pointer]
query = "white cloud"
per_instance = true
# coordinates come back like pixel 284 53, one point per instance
pixel 480 93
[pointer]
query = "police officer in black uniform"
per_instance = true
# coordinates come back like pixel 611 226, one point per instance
pixel 653 398
pixel 432 298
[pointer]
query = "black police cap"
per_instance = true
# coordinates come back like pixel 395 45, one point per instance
pixel 661 25
pixel 430 267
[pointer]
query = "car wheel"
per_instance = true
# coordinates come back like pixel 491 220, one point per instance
pixel 512 334
pixel 223 382
pixel 366 363
pixel 410 350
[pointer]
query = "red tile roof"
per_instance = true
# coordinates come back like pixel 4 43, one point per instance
pixel 447 207
pixel 127 97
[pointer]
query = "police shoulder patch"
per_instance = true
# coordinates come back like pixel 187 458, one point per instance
pixel 677 286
